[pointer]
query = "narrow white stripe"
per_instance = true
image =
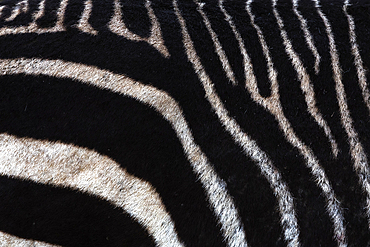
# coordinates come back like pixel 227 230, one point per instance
pixel 34 28
pixel 60 15
pixel 21 7
pixel 309 40
pixel 215 188
pixel 290 227
pixel 249 146
pixel 40 12
pixel 217 45
pixel 273 104
pixel 117 26
pixel 87 171
pixel 83 23
pixel 361 72
pixel 306 85
pixel 357 152
pixel 8 240
pixel 1 10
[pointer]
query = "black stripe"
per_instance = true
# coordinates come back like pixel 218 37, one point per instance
pixel 49 18
pixel 64 217
pixel 358 226
pixel 132 134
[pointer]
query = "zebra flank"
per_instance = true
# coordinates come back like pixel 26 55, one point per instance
pixel 184 123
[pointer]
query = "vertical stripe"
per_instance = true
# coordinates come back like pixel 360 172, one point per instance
pixel 41 11
pixel 59 26
pixel 361 72
pixel 21 7
pixel 217 45
pixel 291 231
pixel 273 104
pixel 249 146
pixel 117 26
pixel 9 240
pixel 357 152
pixel 87 171
pixel 306 85
pixel 215 188
pixel 309 40
pixel 83 23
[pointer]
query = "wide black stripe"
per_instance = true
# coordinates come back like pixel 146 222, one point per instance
pixel 73 13
pixel 144 143
pixel 175 76
pixel 135 16
pixel 64 217
pixel 131 133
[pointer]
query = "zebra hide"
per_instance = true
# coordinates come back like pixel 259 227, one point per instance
pixel 185 123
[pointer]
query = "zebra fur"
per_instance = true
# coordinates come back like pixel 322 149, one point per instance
pixel 184 123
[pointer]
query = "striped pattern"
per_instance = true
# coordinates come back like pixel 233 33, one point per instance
pixel 185 123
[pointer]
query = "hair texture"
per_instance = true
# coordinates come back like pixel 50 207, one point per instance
pixel 184 123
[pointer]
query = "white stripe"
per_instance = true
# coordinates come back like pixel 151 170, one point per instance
pixel 273 104
pixel 361 72
pixel 306 85
pixel 41 11
pixel 1 10
pixel 8 240
pixel 357 152
pixel 79 168
pixel 61 15
pixel 117 26
pixel 309 40
pixel 83 23
pixel 21 7
pixel 34 28
pixel 217 45
pixel 290 228
pixel 249 146
pixel 234 236
pixel 215 188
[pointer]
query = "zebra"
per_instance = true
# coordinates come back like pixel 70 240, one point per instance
pixel 184 123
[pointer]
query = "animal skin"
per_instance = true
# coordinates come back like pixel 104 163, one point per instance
pixel 184 123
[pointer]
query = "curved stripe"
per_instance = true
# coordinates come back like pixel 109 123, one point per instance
pixel 234 236
pixel 249 146
pixel 361 72
pixel 87 171
pixel 21 7
pixel 83 23
pixel 1 10
pixel 357 151
pixel 309 40
pixel 217 45
pixel 40 12
pixel 290 228
pixel 215 188
pixel 117 26
pixel 9 240
pixel 306 85
pixel 273 104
